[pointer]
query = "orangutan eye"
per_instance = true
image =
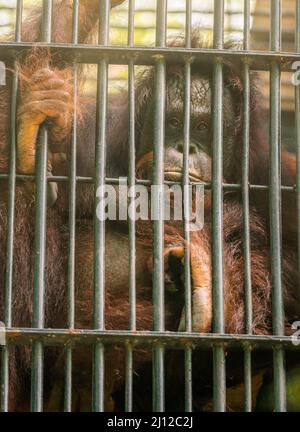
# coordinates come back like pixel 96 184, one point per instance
pixel 174 123
pixel 202 126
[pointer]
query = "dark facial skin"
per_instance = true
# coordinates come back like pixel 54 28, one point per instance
pixel 201 133
pixel 201 136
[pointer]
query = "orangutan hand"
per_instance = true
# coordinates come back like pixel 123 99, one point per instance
pixel 200 262
pixel 47 95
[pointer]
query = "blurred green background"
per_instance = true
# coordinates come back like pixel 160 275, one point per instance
pixel 145 18
pixel 145 21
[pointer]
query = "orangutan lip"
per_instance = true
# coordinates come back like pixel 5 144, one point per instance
pixel 177 176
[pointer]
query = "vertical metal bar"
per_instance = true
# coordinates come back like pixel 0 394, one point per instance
pixel 40 241
pixel 247 379
pixel 185 181
pixel 188 378
pixel 132 230
pixel 128 379
pixel 158 199
pixel 275 207
pixel 247 16
pixel 219 373
pixel 245 180
pixel 99 230
pixel 132 169
pixel 246 214
pixel 19 16
pixel 218 34
pixel 10 218
pixel 187 268
pixel 47 21
pixel 188 23
pixel 72 224
pixel 131 10
pixel 297 130
pixel 186 206
pixel 68 380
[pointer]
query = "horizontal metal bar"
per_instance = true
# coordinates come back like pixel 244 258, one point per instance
pixel 258 60
pixel 56 337
pixel 115 181
pixel 180 10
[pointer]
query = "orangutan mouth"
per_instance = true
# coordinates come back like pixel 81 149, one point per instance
pixel 177 176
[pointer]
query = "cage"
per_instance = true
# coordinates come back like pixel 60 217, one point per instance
pixel 96 347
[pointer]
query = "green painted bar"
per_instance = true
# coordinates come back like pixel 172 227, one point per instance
pixel 72 224
pixel 158 233
pixel 132 230
pixel 297 129
pixel 73 181
pixel 98 377
pixel 40 241
pixel 219 378
pixel 188 23
pixel 11 218
pixel 132 176
pixel 275 207
pixel 115 181
pixel 158 225
pixel 219 373
pixel 4 378
pixel 246 31
pixel 279 379
pixel 246 215
pixel 39 269
pixel 188 378
pixel 186 206
pixel 85 53
pixel 128 378
pixel 99 229
pixel 158 378
pixel 248 378
pixel 58 337
pixel 245 184
pixel 68 380
pixel 186 196
pixel 218 28
pixel 19 17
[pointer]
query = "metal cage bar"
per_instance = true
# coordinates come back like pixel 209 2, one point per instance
pixel 114 181
pixel 89 54
pixel 57 337
pixel 72 222
pixel 246 212
pixel 11 217
pixel 99 233
pixel 219 373
pixel 158 223
pixel 40 240
pixel 186 207
pixel 275 207
pixel 132 230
